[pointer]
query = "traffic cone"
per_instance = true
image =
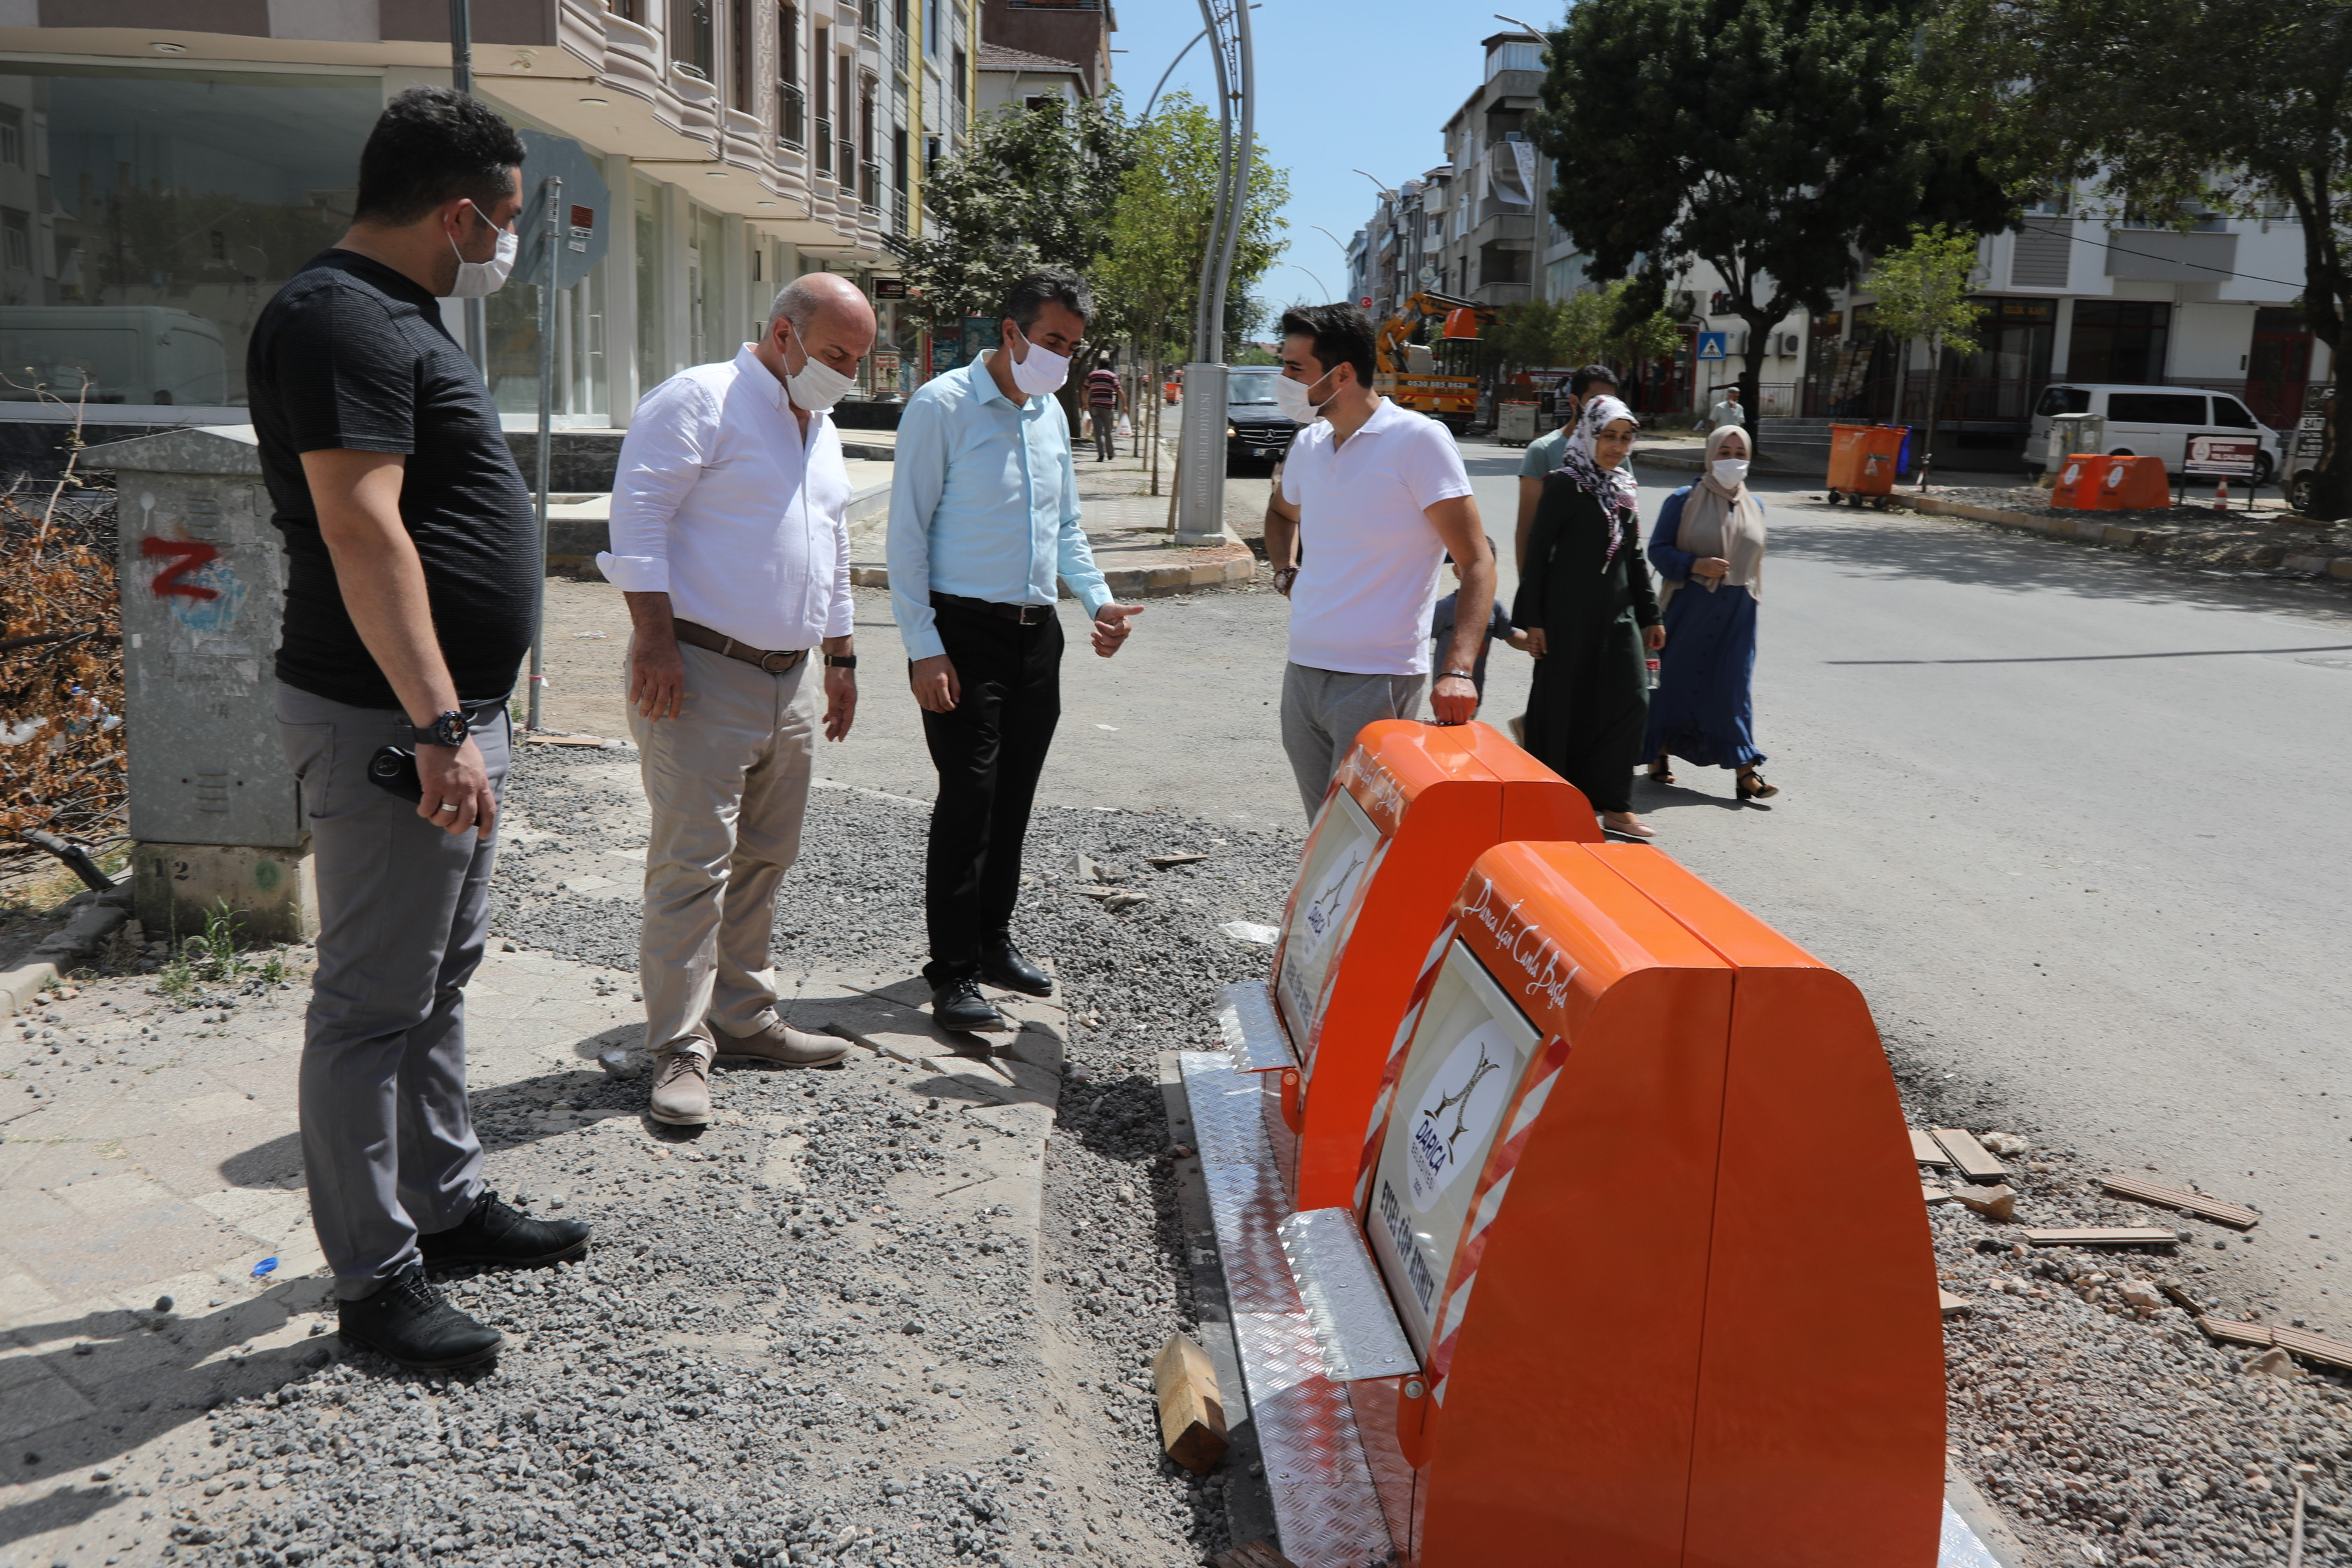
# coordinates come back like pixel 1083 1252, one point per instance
pixel 2221 496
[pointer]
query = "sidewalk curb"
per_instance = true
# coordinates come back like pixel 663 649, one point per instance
pixel 1235 564
pixel 2090 528
pixel 62 952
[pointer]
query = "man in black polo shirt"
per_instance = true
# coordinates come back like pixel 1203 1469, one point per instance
pixel 411 565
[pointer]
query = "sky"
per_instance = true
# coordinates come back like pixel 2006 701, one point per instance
pixel 1341 84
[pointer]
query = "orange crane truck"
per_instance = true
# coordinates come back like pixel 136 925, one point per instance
pixel 1416 375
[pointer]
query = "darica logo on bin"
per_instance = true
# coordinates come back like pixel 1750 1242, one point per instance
pixel 1456 1112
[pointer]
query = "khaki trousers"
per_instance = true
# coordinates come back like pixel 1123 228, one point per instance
pixel 728 781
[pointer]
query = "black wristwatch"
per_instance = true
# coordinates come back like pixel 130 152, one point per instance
pixel 841 661
pixel 448 729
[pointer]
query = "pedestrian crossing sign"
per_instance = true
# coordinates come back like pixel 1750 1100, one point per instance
pixel 1710 345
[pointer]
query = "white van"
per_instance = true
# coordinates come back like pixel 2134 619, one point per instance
pixel 128 353
pixel 2154 422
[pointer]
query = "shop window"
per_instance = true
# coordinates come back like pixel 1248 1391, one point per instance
pixel 145 230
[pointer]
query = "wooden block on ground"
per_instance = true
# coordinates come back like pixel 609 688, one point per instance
pixel 1191 1415
pixel 2198 1204
pixel 1993 1203
pixel 1925 1149
pixel 2232 1332
pixel 1181 858
pixel 1976 1162
pixel 1951 1303
pixel 1256 1554
pixel 1933 1194
pixel 2313 1347
pixel 2101 1236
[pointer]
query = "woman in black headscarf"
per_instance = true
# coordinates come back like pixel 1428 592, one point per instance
pixel 1586 602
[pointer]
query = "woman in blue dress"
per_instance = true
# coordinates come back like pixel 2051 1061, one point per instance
pixel 1708 547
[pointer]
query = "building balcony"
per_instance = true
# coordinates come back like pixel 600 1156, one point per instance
pixel 1510 223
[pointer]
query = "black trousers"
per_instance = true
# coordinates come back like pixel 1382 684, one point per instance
pixel 989 751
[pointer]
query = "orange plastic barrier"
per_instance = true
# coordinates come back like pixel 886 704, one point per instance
pixel 2077 487
pixel 1863 458
pixel 1575 1192
pixel 1413 806
pixel 2133 484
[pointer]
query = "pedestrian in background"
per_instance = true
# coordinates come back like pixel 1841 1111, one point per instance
pixel 1499 628
pixel 1373 498
pixel 1587 605
pixel 1543 453
pixel 412 565
pixel 730 543
pixel 1727 414
pixel 1709 538
pixel 1104 398
pixel 984 514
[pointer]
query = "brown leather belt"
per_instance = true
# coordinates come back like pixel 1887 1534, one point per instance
pixel 1025 614
pixel 700 636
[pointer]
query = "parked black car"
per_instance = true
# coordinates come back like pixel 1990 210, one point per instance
pixel 1256 431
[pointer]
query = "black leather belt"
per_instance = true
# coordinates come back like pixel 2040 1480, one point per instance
pixel 700 636
pixel 1024 615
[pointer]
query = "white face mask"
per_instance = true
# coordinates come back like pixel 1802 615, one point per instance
pixel 477 280
pixel 816 386
pixel 1043 372
pixel 1297 398
pixel 1729 471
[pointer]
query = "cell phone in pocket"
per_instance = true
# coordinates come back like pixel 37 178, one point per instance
pixel 393 771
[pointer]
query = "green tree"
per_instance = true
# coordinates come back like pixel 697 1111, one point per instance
pixel 1770 138
pixel 1922 291
pixel 1031 187
pixel 2176 108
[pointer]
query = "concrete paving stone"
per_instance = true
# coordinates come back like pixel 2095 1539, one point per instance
pixel 252 1210
pixel 29 1209
pixel 39 1404
pixel 56 1164
pixel 23 1299
pixel 79 1259
pixel 250 1151
pixel 218 1105
pixel 105 1197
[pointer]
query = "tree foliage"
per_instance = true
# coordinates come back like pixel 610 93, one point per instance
pixel 1772 139
pixel 1150 279
pixel 1922 291
pixel 1603 326
pixel 2170 108
pixel 1031 187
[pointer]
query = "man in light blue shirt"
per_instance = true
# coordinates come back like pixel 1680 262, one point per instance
pixel 984 518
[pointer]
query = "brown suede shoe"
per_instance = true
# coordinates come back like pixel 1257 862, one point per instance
pixel 681 1092
pixel 782 1044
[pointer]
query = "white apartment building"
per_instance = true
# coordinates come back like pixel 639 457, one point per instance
pixel 164 173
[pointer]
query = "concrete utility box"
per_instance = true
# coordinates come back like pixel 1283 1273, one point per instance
pixel 215 813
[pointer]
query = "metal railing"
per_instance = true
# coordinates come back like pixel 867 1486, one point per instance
pixel 898 212
pixel 870 19
pixel 823 142
pixel 844 155
pixel 791 115
pixel 870 197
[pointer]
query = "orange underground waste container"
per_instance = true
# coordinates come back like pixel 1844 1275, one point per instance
pixel 1863 460
pixel 2077 489
pixel 2133 484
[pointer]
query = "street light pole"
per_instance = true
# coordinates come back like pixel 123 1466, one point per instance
pixel 1201 439
pixel 461 76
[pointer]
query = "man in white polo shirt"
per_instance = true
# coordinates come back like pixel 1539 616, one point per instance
pixel 730 543
pixel 1373 499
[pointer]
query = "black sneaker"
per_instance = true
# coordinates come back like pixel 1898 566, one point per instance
pixel 500 1236
pixel 1001 964
pixel 408 1321
pixel 959 1006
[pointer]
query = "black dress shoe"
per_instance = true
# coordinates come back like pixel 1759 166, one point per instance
pixel 502 1236
pixel 408 1321
pixel 1001 964
pixel 959 1006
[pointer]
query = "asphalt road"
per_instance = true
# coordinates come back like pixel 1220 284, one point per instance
pixel 2070 817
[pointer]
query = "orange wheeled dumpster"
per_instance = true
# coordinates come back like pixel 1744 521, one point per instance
pixel 1863 460
pixel 2133 484
pixel 2077 488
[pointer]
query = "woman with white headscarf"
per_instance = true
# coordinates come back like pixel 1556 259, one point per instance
pixel 1708 547
pixel 1586 604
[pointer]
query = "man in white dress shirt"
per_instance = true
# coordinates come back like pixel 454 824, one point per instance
pixel 730 541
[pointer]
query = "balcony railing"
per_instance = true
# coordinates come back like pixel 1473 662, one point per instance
pixel 844 155
pixel 824 146
pixel 870 19
pixel 898 50
pixel 898 212
pixel 791 115
pixel 870 197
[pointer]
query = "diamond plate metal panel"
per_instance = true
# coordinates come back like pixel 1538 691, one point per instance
pixel 1959 1547
pixel 1347 1304
pixel 1253 1029
pixel 1324 1505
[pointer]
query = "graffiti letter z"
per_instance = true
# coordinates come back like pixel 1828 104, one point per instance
pixel 186 555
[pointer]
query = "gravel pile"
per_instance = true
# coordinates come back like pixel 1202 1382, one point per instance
pixel 2107 1431
pixel 769 1356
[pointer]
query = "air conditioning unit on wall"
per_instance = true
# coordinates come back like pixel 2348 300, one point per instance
pixel 1787 344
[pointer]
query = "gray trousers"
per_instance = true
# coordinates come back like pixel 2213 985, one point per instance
pixel 1321 711
pixel 388 1144
pixel 728 781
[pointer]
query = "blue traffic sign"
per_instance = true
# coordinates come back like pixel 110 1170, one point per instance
pixel 1710 344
